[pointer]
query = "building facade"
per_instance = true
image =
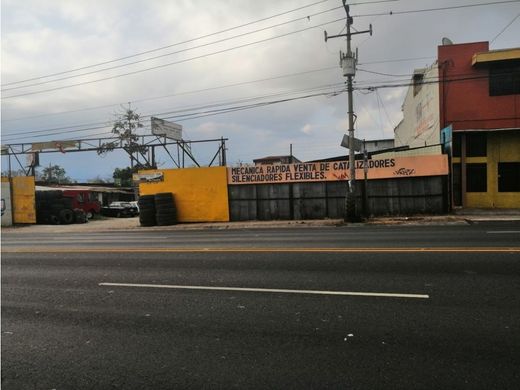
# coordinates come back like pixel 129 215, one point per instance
pixel 478 97
pixel 420 125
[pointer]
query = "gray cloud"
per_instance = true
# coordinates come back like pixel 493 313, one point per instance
pixel 39 38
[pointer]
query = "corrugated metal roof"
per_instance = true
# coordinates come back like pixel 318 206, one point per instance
pixel 84 188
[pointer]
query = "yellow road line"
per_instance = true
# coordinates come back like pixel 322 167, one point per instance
pixel 261 250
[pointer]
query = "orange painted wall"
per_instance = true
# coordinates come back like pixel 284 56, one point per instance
pixel 200 193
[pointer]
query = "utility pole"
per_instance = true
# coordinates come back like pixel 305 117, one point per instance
pixel 348 62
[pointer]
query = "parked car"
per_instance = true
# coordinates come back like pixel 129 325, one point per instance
pixel 120 209
pixel 136 205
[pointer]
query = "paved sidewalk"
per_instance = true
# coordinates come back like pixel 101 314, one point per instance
pixel 132 224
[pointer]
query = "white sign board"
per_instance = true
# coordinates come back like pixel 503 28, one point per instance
pixel 166 129
pixel 154 177
pixel 358 144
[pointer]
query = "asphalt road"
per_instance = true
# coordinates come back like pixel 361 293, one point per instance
pixel 401 307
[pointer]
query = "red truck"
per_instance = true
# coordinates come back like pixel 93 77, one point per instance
pixel 84 200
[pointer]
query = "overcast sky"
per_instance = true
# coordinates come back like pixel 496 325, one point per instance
pixel 41 38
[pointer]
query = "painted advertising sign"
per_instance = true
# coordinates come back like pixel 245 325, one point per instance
pixel 57 145
pixel 167 129
pixel 387 168
pixel 7 212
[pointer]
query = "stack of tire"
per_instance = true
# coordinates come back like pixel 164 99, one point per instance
pixel 53 208
pixel 158 209
pixel 147 210
pixel 165 211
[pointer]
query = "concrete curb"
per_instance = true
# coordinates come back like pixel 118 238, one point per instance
pixel 132 224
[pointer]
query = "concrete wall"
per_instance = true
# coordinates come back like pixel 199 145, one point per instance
pixel 403 196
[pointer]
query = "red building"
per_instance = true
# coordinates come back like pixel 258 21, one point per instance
pixel 479 97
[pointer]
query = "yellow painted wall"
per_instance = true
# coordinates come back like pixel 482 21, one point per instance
pixel 200 194
pixel 502 146
pixel 24 208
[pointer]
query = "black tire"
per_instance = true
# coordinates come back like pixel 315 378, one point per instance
pixel 165 209
pixel 42 217
pixel 147 218
pixel 66 202
pixel 145 206
pixel 80 216
pixel 163 196
pixel 42 205
pixel 147 214
pixel 54 220
pixel 164 206
pixel 66 216
pixel 52 195
pixel 146 199
pixel 166 221
pixel 55 209
pixel 166 216
pixel 163 203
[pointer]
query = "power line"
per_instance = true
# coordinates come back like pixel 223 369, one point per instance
pixel 195 39
pixel 390 13
pixel 241 46
pixel 217 87
pixel 196 115
pixel 395 60
pixel 382 74
pixel 231 109
pixel 432 80
pixel 407 84
pixel 176 62
pixel 167 54
pixel 53 131
pixel 185 109
pixel 178 94
pixel 168 46
pixel 505 28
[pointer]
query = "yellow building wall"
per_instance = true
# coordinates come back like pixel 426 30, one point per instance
pixel 502 146
pixel 24 194
pixel 200 194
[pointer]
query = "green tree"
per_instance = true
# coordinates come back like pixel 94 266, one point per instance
pixel 123 176
pixel 125 129
pixel 54 174
pixel 99 180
